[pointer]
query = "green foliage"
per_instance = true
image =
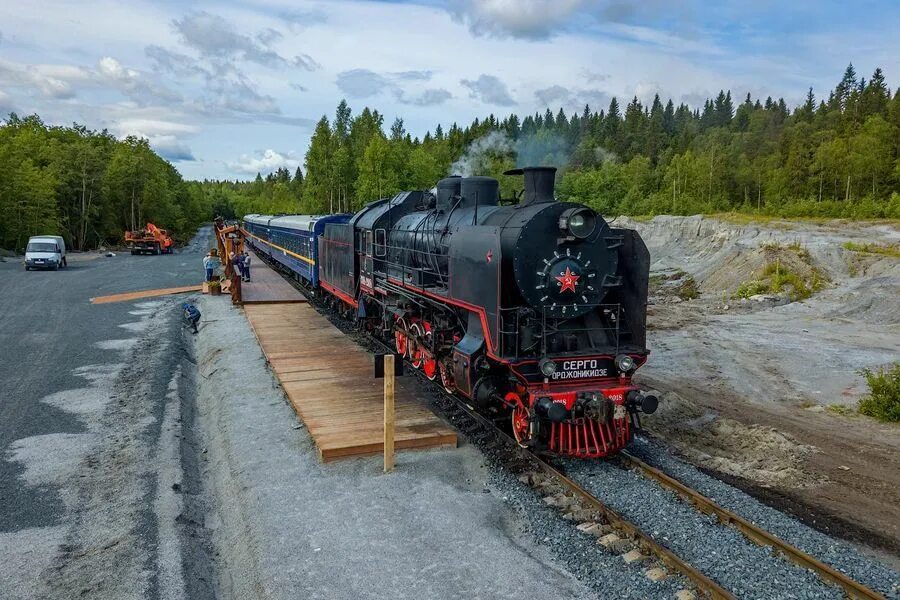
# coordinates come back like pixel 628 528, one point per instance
pixel 676 283
pixel 839 158
pixel 752 288
pixel 777 278
pixel 883 401
pixel 86 186
pixel 840 409
pixel 687 289
pixel 892 250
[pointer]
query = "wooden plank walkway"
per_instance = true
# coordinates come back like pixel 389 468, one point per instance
pixel 329 381
pixel 266 286
pixel 127 296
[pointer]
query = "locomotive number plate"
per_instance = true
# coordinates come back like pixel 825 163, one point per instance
pixel 581 369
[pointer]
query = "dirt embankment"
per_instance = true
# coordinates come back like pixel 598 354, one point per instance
pixel 758 333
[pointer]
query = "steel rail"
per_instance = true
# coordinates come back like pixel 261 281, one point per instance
pixel 666 556
pixel 760 536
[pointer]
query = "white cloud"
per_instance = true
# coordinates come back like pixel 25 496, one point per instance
pixel 362 83
pixel 149 127
pixel 36 77
pixel 213 36
pixel 170 148
pixel 113 69
pixel 489 89
pixel 534 19
pixel 269 161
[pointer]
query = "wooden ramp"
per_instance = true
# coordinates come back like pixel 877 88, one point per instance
pixel 267 286
pixel 329 381
pixel 128 296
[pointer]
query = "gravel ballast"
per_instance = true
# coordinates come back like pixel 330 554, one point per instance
pixel 601 569
pixel 837 554
pixel 723 553
pixel 747 570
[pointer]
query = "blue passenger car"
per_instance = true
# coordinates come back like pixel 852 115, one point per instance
pixel 291 240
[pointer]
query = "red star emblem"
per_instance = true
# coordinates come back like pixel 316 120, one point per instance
pixel 489 255
pixel 567 280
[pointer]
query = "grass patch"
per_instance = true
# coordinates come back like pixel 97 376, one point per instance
pixel 687 289
pixel 675 283
pixel 892 250
pixel 778 279
pixel 840 409
pixel 752 288
pixel 883 401
pixel 788 271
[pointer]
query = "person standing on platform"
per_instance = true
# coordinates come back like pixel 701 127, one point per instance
pixel 237 263
pixel 210 263
pixel 245 260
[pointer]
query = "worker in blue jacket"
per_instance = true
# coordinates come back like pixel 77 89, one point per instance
pixel 191 315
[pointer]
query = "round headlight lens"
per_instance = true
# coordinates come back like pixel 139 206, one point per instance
pixel 548 367
pixel 625 363
pixel 578 222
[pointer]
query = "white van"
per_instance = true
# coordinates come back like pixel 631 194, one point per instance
pixel 45 252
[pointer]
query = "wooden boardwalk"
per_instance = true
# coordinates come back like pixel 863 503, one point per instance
pixel 266 285
pixel 329 381
pixel 128 296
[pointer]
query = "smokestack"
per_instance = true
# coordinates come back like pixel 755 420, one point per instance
pixel 539 182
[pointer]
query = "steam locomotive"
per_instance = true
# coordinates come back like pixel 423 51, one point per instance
pixel 533 310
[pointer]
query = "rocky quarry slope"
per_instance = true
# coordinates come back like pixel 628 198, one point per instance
pixel 758 333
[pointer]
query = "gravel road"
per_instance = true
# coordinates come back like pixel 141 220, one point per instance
pixel 89 433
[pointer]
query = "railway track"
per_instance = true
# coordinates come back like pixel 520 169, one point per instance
pixel 851 588
pixel 526 465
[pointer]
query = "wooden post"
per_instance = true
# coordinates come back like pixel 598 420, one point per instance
pixel 388 413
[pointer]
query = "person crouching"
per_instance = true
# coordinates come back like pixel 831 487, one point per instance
pixel 191 315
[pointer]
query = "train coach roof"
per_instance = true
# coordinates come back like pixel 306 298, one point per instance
pixel 296 222
pixel 301 222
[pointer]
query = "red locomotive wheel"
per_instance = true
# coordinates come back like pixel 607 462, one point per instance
pixel 401 337
pixel 446 369
pixel 417 351
pixel 520 423
pixel 429 364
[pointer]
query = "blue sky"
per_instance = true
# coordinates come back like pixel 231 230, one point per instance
pixel 227 89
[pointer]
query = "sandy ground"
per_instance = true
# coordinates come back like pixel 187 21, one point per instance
pixel 749 383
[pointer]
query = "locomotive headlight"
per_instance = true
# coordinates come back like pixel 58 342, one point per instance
pixel 547 366
pixel 578 222
pixel 624 363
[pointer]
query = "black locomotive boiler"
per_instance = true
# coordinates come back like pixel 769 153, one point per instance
pixel 535 310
